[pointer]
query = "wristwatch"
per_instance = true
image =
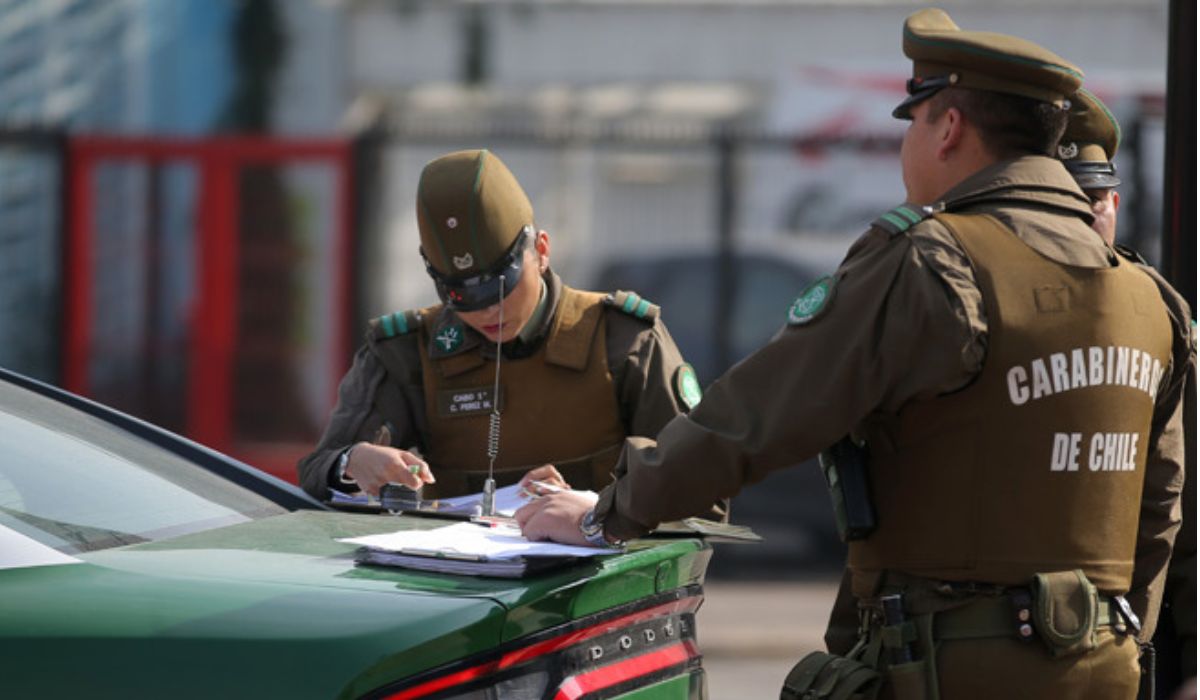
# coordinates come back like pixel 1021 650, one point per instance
pixel 593 531
pixel 340 469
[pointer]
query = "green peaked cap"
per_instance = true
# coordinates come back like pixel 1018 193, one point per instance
pixel 470 209
pixel 982 61
pixel 1090 142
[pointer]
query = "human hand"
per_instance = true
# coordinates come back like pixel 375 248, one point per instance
pixel 372 466
pixel 545 474
pixel 556 517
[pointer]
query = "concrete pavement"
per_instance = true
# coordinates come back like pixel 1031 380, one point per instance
pixel 752 633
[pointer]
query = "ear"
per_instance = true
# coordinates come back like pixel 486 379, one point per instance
pixel 951 129
pixel 541 244
pixel 1116 200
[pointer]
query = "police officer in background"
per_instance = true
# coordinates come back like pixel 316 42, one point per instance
pixel 1016 383
pixel 580 371
pixel 1087 149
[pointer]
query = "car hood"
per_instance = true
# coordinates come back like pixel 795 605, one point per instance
pixel 279 606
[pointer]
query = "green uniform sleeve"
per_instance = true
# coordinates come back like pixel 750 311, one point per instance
pixel 644 361
pixel 1161 512
pixel 647 366
pixel 356 417
pixel 890 331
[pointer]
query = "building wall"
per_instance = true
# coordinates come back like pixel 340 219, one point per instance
pixel 119 66
pixel 396 45
pixel 814 69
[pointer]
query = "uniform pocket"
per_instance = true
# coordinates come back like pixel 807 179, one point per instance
pixel 1066 609
pixel 822 676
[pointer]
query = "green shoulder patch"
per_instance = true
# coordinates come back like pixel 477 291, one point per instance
pixel 634 305
pixel 902 218
pixel 687 386
pixel 449 338
pixel 395 324
pixel 812 302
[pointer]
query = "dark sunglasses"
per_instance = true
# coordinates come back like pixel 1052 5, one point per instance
pixel 487 289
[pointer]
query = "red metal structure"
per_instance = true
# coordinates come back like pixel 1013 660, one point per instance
pixel 214 323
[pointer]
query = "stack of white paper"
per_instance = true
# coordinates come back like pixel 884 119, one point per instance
pixel 472 548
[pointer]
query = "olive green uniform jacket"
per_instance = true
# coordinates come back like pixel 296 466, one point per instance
pixel 905 322
pixel 642 359
pixel 1180 589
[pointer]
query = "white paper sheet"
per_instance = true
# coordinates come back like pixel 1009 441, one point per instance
pixel 472 540
pixel 508 501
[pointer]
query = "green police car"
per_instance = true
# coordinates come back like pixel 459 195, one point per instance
pixel 137 564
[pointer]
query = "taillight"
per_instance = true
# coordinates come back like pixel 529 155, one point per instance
pixel 614 651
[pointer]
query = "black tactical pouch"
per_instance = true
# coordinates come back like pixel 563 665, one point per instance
pixel 845 468
pixel 1066 610
pixel 821 676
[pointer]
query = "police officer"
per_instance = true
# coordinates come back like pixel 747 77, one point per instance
pixel 1017 386
pixel 579 371
pixel 1087 148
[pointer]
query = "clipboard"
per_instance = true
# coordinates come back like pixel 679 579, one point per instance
pixel 440 562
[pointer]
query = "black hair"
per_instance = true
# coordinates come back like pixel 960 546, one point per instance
pixel 1008 125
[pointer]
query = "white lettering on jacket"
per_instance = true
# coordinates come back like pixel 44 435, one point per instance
pixel 1081 368
pixel 1106 452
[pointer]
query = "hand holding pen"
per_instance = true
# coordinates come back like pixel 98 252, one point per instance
pixel 373 464
pixel 543 480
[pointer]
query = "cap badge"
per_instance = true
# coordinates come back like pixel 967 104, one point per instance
pixel 1068 151
pixel 452 222
pixel 450 338
pixel 464 262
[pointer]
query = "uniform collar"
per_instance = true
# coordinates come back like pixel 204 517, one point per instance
pixel 533 326
pixel 535 331
pixel 1041 203
pixel 1036 179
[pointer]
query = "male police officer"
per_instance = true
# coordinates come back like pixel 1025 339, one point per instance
pixel 1014 381
pixel 579 370
pixel 1087 148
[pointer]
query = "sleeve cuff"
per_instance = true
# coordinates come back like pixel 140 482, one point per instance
pixel 615 524
pixel 334 477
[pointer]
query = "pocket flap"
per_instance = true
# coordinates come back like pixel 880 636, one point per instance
pixel 1066 608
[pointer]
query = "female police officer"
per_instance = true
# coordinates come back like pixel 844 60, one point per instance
pixel 579 372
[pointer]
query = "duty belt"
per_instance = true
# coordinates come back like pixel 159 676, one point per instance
pixel 1011 614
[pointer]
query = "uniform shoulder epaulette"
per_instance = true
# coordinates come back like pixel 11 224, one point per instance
pixel 395 324
pixel 902 218
pixel 634 305
pixel 1130 254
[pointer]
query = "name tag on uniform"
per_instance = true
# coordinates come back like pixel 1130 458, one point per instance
pixel 453 403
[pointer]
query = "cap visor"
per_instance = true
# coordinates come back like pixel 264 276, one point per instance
pixel 1097 181
pixel 904 109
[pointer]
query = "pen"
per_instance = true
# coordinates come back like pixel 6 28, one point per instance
pixel 545 486
pixel 494 522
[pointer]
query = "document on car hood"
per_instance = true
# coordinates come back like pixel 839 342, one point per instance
pixel 509 500
pixel 472 541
